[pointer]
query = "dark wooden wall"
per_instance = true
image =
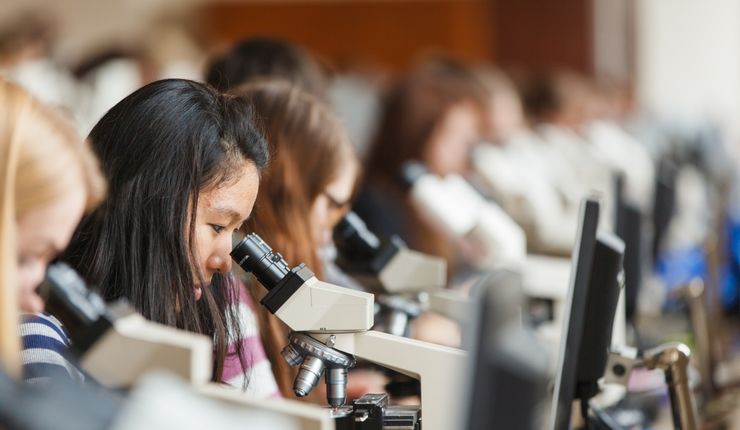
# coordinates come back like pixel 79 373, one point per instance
pixel 534 34
pixel 389 34
pixel 542 34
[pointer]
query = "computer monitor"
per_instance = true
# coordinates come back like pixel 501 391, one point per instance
pixel 664 204
pixel 589 315
pixel 574 317
pixel 604 285
pixel 629 229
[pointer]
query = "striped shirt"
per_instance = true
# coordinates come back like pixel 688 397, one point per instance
pixel 46 354
pixel 258 376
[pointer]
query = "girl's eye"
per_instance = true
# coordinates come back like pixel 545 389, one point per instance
pixel 24 262
pixel 218 228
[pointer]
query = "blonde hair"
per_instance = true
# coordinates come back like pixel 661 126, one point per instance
pixel 41 157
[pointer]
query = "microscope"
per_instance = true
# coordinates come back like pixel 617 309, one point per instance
pixel 484 233
pixel 493 242
pixel 115 344
pixel 121 349
pixel 673 359
pixel 396 273
pixel 331 327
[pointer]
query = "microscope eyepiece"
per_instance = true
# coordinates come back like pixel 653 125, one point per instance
pixel 255 256
pixel 353 238
pixel 411 171
pixel 65 292
pixel 82 311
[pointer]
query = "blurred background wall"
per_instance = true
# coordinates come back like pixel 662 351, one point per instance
pixel 675 54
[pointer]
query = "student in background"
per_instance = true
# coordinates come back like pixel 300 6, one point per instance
pixel 260 57
pixel 513 165
pixel 303 194
pixel 435 115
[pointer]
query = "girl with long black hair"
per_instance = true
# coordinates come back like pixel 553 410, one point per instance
pixel 183 164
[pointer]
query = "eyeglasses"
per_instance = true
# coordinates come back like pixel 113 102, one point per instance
pixel 335 203
pixel 337 208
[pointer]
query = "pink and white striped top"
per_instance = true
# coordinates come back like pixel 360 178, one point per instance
pixel 260 381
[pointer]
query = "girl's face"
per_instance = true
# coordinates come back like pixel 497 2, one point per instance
pixel 42 234
pixel 506 116
pixel 448 149
pixel 221 211
pixel 332 204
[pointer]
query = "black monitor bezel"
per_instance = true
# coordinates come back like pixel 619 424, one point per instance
pixel 574 315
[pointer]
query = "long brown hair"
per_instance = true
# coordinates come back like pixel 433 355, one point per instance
pixel 308 149
pixel 413 109
pixel 41 158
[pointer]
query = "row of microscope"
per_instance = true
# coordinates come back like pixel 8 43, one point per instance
pixel 506 375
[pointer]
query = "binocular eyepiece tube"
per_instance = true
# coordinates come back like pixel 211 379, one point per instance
pixel 253 255
pixel 351 235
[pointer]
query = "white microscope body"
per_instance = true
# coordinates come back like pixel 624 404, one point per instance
pixel 387 264
pixel 483 231
pixel 121 349
pixel 331 325
pixel 399 276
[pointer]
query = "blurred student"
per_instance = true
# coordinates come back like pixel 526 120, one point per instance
pixel 435 115
pixel 26 58
pixel 267 58
pixel 303 194
pixel 515 166
pixel 48 179
pixel 559 107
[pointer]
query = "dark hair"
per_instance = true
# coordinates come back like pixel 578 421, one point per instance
pixel 159 148
pixel 413 107
pixel 266 58
pixel 550 96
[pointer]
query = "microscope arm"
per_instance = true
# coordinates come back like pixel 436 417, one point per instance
pixel 673 359
pixel 451 304
pixel 413 271
pixel 135 346
pixel 440 369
